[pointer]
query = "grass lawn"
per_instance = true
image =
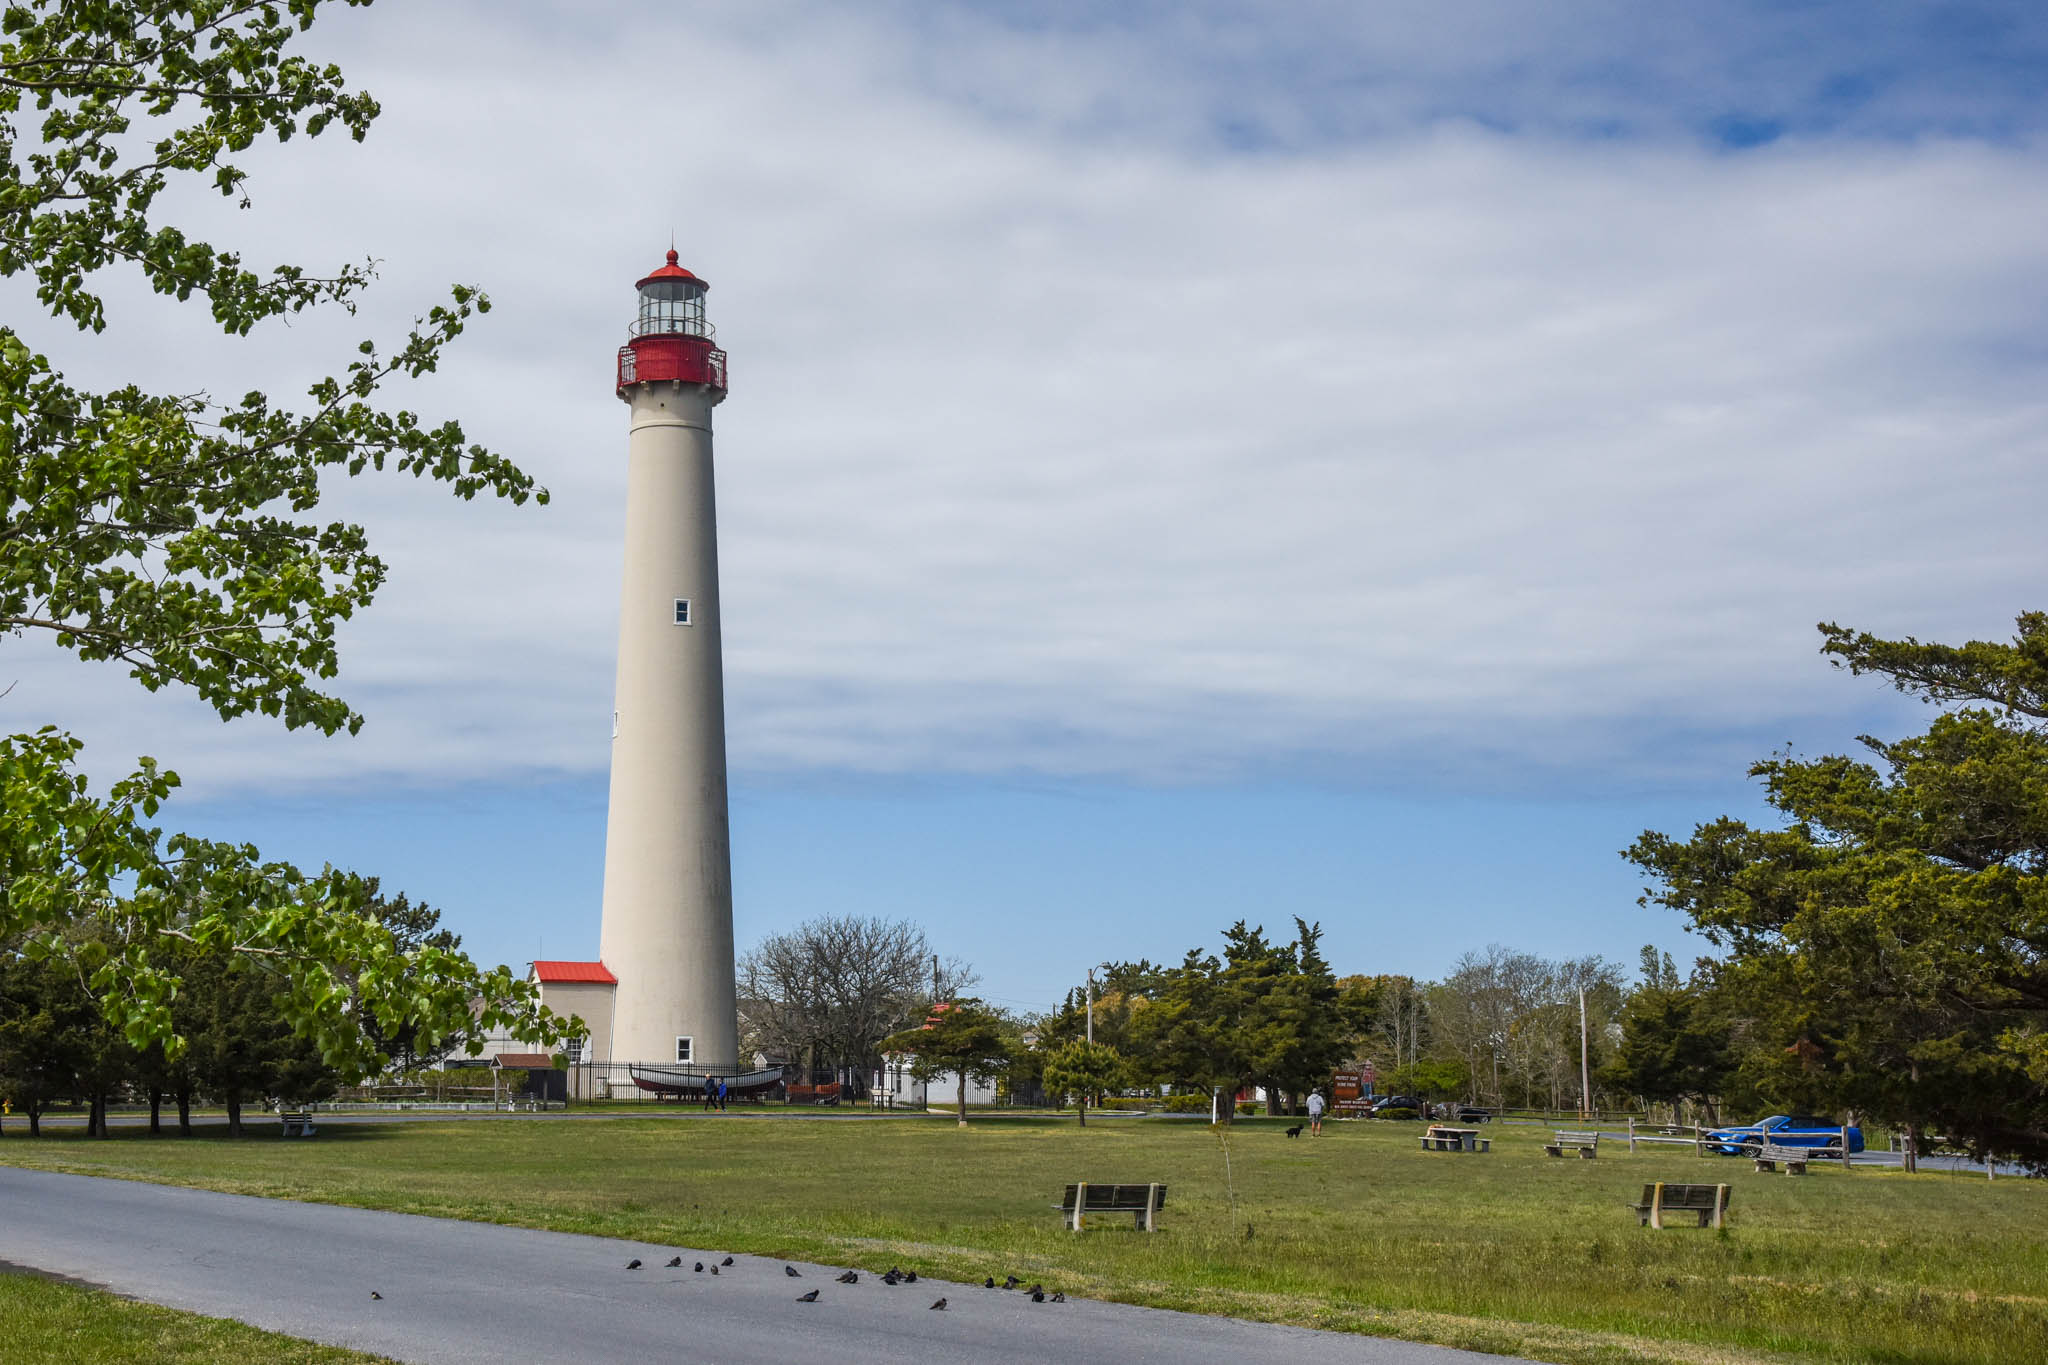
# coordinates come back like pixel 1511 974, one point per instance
pixel 46 1321
pixel 1361 1231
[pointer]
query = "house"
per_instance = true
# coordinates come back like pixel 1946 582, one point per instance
pixel 895 1087
pixel 582 989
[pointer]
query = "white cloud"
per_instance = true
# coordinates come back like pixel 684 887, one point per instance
pixel 1445 448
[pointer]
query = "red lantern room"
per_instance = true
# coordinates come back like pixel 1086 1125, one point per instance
pixel 671 339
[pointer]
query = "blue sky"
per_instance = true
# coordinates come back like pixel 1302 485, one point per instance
pixel 1363 462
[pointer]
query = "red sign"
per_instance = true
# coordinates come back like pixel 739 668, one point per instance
pixel 1351 1088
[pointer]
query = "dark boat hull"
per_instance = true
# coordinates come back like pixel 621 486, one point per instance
pixel 680 1080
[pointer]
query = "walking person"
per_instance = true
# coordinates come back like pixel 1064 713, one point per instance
pixel 1315 1113
pixel 711 1092
pixel 721 1094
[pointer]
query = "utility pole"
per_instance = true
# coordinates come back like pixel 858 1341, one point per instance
pixel 935 978
pixel 1091 1006
pixel 1585 1066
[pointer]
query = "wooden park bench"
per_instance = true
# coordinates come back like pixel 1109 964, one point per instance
pixel 1142 1202
pixel 1587 1143
pixel 1710 1202
pixel 1438 1138
pixel 298 1123
pixel 1794 1159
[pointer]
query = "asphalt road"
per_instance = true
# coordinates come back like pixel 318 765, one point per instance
pixel 462 1292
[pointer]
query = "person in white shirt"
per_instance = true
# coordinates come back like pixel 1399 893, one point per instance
pixel 1315 1113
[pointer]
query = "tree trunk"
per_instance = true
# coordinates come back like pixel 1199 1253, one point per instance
pixel 234 1115
pixel 1912 1148
pixel 185 1112
pixel 95 1115
pixel 963 1097
pixel 156 1112
pixel 1081 1110
pixel 35 1119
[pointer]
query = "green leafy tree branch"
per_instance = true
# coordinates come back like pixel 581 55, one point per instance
pixel 177 535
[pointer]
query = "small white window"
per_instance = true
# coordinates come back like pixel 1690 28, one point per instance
pixel 683 1049
pixel 682 611
pixel 573 1050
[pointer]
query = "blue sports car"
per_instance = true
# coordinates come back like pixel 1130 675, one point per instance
pixel 1783 1130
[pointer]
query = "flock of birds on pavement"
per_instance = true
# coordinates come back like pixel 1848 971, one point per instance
pixel 894 1275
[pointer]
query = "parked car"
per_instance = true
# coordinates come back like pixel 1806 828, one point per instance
pixel 1397 1106
pixel 1782 1130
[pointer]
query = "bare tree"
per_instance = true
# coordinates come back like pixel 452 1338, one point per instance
pixel 831 989
pixel 1514 1017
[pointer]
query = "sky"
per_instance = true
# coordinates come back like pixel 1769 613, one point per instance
pixel 1183 462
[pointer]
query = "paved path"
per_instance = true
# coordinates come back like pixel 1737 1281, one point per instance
pixel 462 1292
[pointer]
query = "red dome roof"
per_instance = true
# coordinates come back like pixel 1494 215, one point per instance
pixel 671 271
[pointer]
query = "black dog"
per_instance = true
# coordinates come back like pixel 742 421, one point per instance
pixel 1295 1131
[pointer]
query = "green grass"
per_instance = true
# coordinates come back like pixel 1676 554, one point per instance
pixel 45 1321
pixel 1359 1231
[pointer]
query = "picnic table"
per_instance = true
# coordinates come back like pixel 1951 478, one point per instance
pixel 1442 1138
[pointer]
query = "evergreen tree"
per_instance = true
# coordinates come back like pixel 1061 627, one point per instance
pixel 45 1015
pixel 1081 1070
pixel 243 1048
pixel 961 1036
pixel 1891 938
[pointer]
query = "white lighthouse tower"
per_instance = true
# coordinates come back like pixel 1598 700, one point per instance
pixel 667 933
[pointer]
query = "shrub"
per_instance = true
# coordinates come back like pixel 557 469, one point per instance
pixel 1186 1104
pixel 1248 1109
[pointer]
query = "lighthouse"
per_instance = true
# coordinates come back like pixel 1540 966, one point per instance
pixel 667 929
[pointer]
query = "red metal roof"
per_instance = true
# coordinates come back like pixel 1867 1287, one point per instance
pixel 671 271
pixel 561 972
pixel 531 1061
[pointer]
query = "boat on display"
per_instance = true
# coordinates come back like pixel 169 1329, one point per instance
pixel 689 1080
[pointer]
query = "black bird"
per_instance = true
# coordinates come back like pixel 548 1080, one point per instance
pixel 896 1270
pixel 989 1283
pixel 1295 1131
pixel 714 1270
pixel 792 1272
pixel 700 1267
pixel 633 1264
pixel 726 1261
pixel 1038 1297
pixel 848 1278
pixel 910 1277
pixel 940 1306
pixel 674 1262
pixel 891 1277
pixel 375 1295
pixel 811 1297
pixel 1059 1296
pixel 1011 1282
pixel 1036 1291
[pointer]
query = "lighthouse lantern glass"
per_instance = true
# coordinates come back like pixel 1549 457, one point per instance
pixel 675 306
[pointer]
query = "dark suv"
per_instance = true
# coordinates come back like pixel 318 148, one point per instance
pixel 1392 1105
